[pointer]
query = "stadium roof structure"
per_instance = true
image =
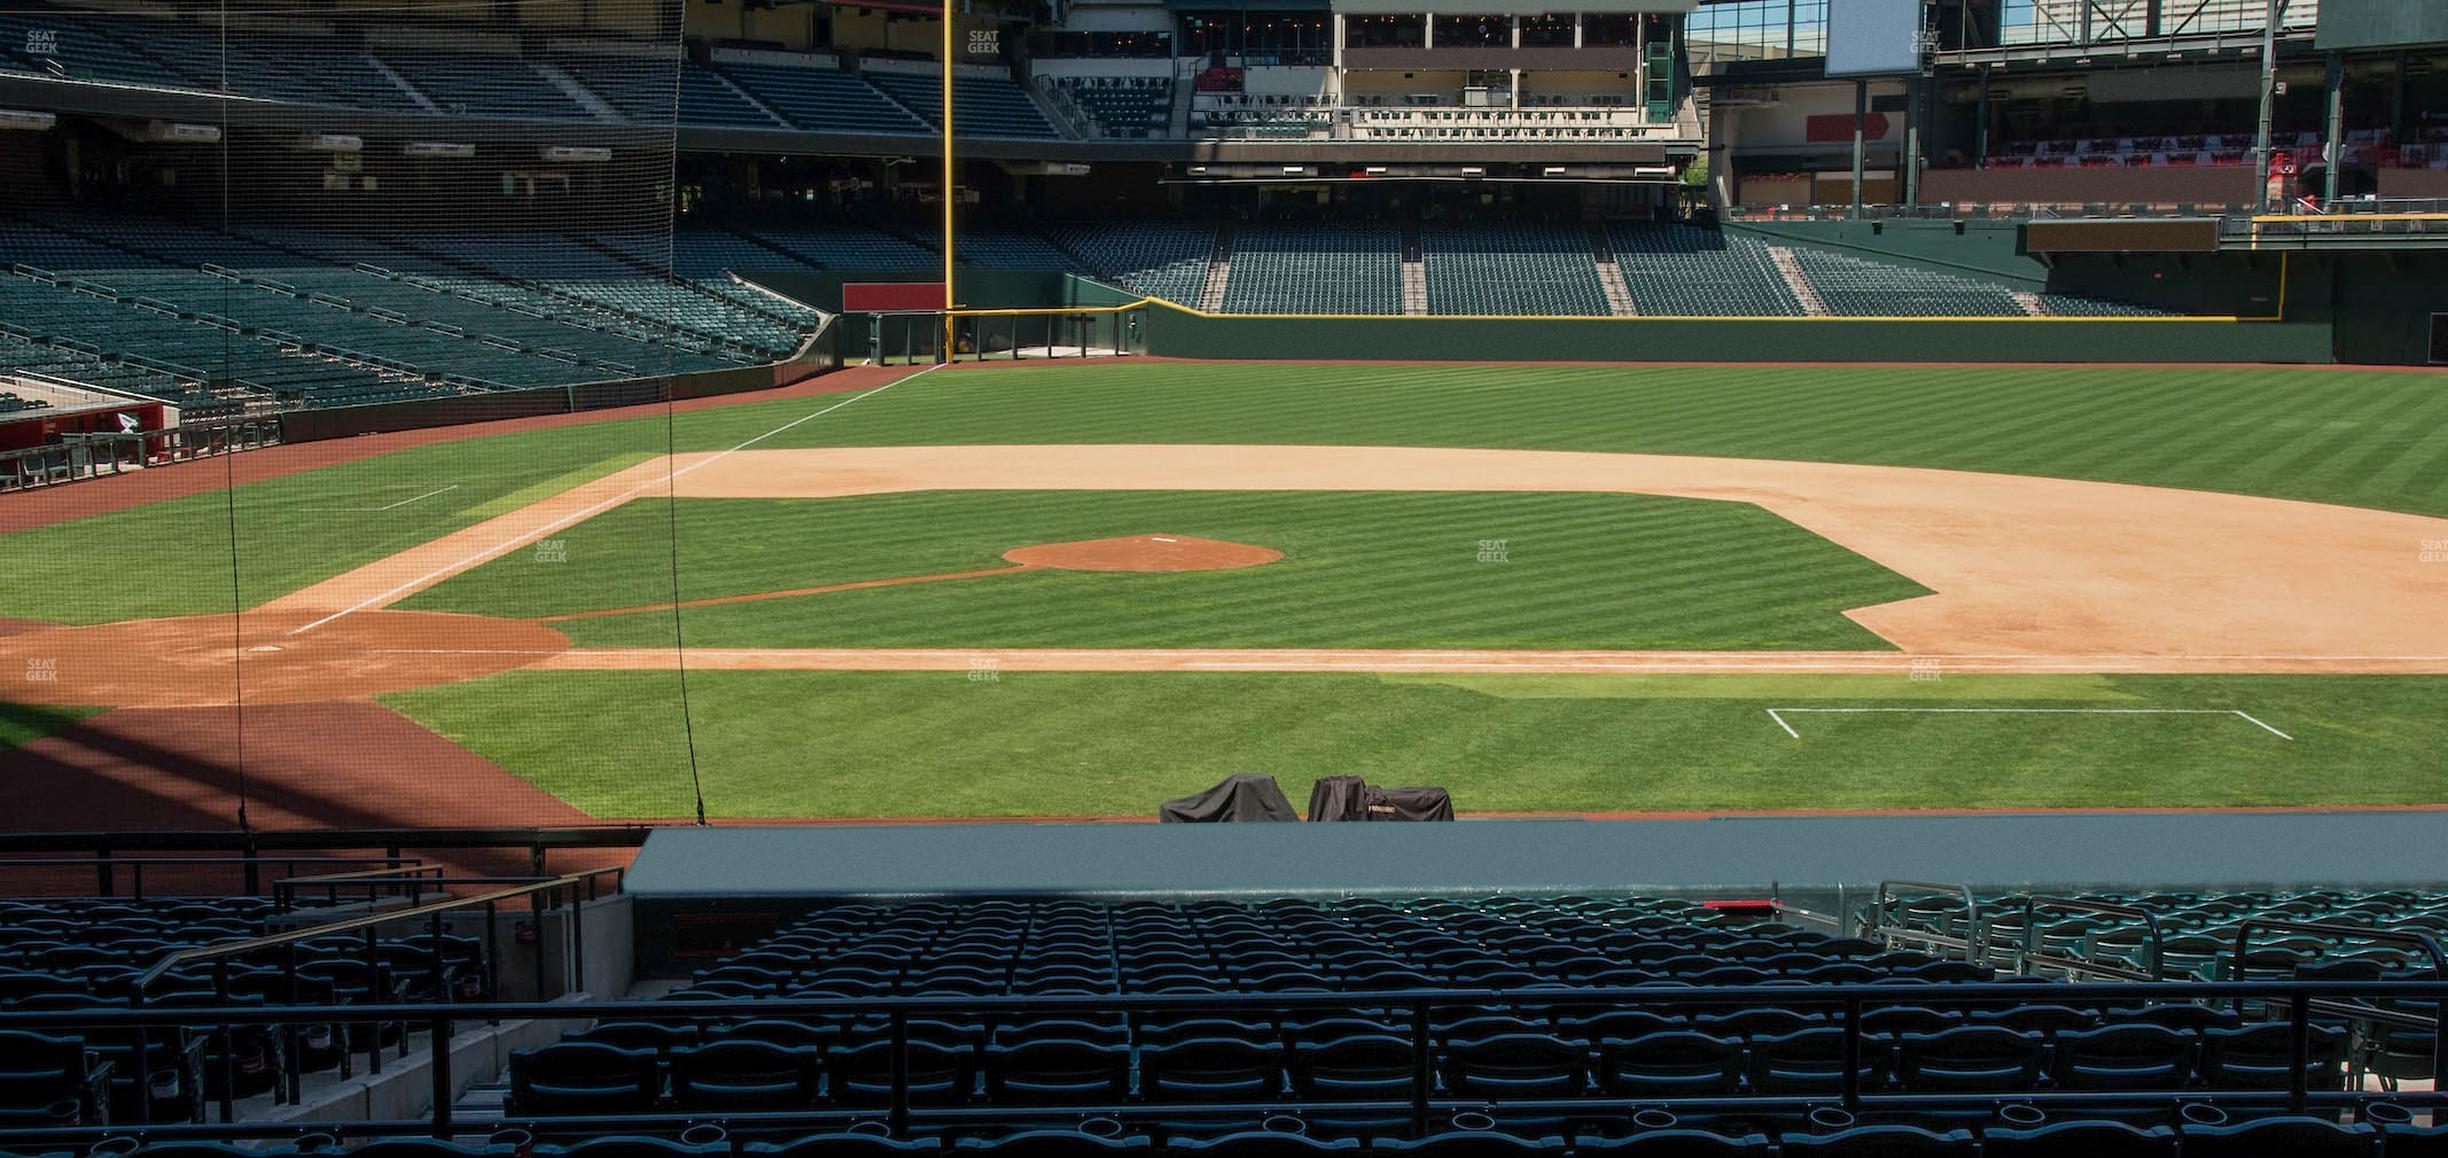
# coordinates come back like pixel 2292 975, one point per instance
pixel 1509 7
pixel 2083 31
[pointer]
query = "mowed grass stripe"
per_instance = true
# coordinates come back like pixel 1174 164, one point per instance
pixel 2158 426
pixel 817 744
pixel 2397 451
pixel 1361 569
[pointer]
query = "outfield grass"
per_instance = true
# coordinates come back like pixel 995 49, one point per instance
pixel 819 744
pixel 2374 439
pixel 1375 569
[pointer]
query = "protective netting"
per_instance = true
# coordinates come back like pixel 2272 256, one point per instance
pixel 319 218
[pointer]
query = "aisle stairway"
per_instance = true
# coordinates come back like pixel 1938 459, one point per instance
pixel 1414 273
pixel 1803 291
pixel 1219 273
pixel 1610 276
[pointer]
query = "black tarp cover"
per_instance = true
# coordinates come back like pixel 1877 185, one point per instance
pixel 1243 796
pixel 1410 804
pixel 1338 798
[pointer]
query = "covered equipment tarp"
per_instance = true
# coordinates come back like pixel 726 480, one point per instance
pixel 1338 798
pixel 1242 796
pixel 1410 804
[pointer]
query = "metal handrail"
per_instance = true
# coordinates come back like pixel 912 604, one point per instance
pixel 537 842
pixel 285 890
pixel 368 922
pixel 2298 996
pixel 2155 937
pixel 1972 924
pixel 2422 941
pixel 419 880
pixel 540 893
pixel 106 866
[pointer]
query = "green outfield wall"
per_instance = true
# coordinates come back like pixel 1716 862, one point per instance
pixel 1180 334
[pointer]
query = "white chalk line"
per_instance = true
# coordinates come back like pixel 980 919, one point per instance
pixel 380 509
pixel 514 541
pixel 1778 714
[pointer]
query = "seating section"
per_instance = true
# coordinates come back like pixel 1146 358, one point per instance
pixel 283 316
pixel 1532 1041
pixel 1511 269
pixel 1688 271
pixel 1527 1045
pixel 18 354
pixel 1239 114
pixel 1853 285
pixel 660 90
pixel 1122 106
pixel 343 70
pixel 598 276
pixel 707 259
pixel 988 106
pixel 1014 249
pixel 644 89
pixel 482 84
pixel 2071 306
pixel 708 99
pixel 1497 124
pixel 78 47
pixel 2113 150
pixel 1534 1062
pixel 85 953
pixel 846 247
pixel 1322 269
pixel 2198 931
pixel 822 100
pixel 1162 259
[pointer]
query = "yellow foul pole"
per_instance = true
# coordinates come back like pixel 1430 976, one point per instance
pixel 948 186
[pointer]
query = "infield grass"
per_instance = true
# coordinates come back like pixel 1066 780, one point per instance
pixel 1372 569
pixel 22 724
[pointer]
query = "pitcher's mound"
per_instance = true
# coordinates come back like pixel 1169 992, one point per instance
pixel 1144 553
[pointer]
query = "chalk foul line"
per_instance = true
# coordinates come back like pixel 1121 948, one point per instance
pixel 513 542
pixel 386 507
pixel 1779 714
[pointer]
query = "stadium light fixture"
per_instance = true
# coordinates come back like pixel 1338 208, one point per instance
pixel 1553 171
pixel 1473 171
pixel 27 119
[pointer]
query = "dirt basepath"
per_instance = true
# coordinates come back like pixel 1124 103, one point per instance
pixel 2079 576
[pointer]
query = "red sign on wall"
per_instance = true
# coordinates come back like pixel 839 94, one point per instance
pixel 1838 127
pixel 881 297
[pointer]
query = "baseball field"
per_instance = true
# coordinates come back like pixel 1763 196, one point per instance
pixel 1076 589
